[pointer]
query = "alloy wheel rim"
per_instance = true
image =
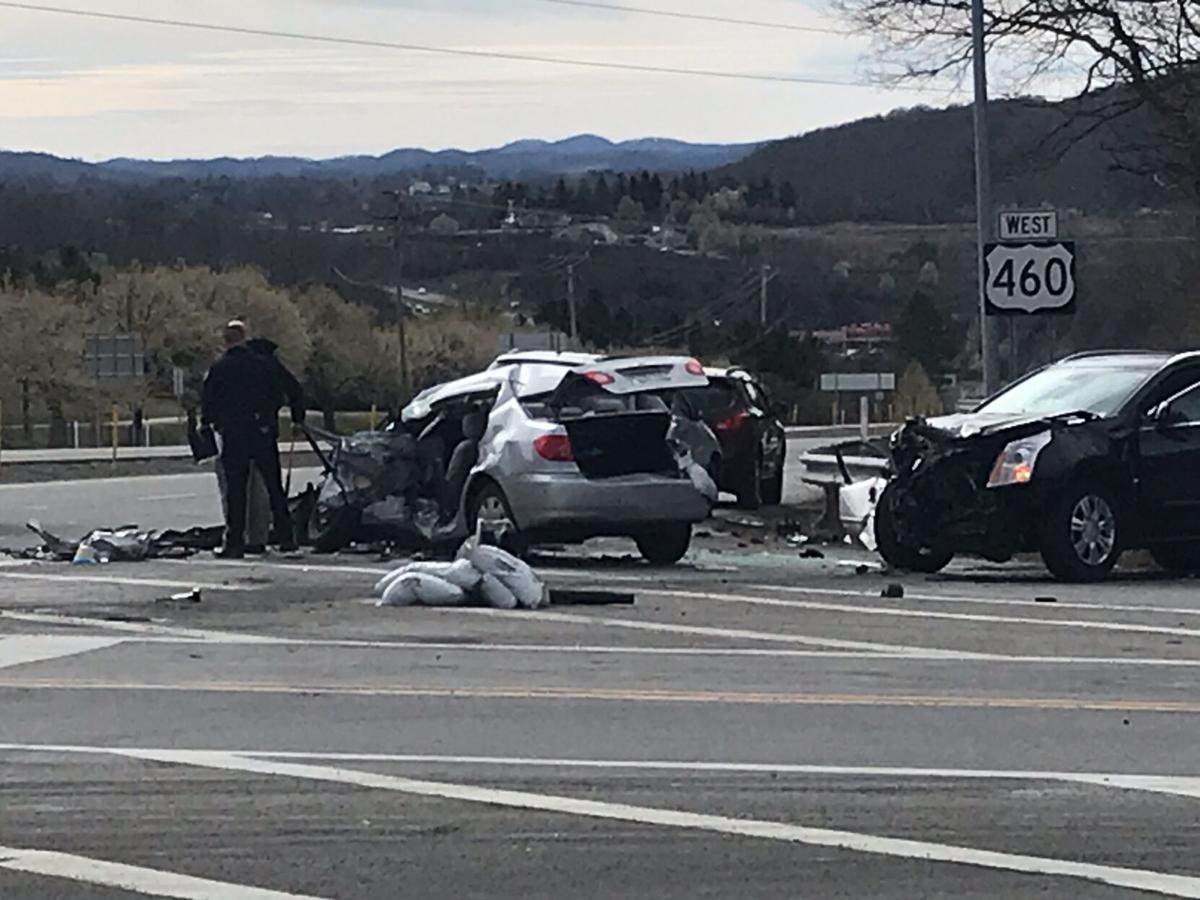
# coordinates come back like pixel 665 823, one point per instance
pixel 1093 530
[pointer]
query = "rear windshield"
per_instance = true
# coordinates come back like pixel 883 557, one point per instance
pixel 718 399
pixel 1094 386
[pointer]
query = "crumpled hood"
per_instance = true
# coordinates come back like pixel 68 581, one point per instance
pixel 965 425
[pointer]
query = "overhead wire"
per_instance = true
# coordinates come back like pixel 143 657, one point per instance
pixel 742 293
pixel 450 51
pixel 698 17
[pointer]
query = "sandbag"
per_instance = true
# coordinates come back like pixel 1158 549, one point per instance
pixel 514 574
pixel 459 573
pixel 495 594
pixel 412 588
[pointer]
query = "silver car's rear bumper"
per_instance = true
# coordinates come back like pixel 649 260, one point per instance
pixel 539 501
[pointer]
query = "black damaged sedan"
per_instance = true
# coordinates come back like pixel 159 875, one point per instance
pixel 1079 461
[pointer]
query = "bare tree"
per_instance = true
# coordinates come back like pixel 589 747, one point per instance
pixel 1134 67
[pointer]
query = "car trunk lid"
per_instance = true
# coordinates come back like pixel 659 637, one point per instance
pixel 609 446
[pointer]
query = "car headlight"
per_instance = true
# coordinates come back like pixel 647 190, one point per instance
pixel 1015 463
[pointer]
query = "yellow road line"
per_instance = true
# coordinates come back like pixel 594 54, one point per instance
pixel 627 695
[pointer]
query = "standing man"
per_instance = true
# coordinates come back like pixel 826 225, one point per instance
pixel 242 396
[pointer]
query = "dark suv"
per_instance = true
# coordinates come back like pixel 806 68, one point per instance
pixel 1079 461
pixel 753 440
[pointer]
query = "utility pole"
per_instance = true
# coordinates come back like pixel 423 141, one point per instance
pixel 571 306
pixel 988 336
pixel 763 280
pixel 397 292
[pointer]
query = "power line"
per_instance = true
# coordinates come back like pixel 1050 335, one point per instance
pixel 450 51
pixel 699 17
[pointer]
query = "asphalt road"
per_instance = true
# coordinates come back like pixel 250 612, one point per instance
pixel 754 725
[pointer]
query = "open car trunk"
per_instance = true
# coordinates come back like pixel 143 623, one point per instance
pixel 608 446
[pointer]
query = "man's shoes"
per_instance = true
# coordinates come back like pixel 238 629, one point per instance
pixel 289 546
pixel 230 553
pixel 256 549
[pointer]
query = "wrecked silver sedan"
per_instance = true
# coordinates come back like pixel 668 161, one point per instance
pixel 540 453
pixel 1078 461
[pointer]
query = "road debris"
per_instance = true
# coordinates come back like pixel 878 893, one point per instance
pixel 1045 599
pixel 893 591
pixel 567 597
pixel 192 596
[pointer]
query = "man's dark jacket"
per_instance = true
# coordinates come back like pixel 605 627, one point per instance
pixel 246 388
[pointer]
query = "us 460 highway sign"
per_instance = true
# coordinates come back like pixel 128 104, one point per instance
pixel 1030 279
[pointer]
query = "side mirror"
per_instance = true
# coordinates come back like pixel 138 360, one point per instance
pixel 1161 416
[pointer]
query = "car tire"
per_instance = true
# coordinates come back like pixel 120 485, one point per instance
pixel 490 504
pixel 897 555
pixel 666 544
pixel 1081 540
pixel 772 489
pixel 332 530
pixel 1182 558
pixel 749 497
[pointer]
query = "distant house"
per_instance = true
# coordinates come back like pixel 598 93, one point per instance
pixel 444 225
pixel 589 233
pixel 420 188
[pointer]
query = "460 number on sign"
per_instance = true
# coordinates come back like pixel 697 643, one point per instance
pixel 1030 278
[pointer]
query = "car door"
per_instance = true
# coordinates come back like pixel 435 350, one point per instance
pixel 770 434
pixel 1169 466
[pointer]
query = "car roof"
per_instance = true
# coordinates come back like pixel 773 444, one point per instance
pixel 567 358
pixel 1134 358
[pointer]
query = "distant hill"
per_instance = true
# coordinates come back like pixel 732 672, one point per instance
pixel 521 159
pixel 917 165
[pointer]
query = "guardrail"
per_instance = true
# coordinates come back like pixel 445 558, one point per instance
pixel 830 469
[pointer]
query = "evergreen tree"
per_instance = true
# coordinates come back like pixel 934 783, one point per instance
pixel 562 196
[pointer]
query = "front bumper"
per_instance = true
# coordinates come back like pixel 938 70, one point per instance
pixel 998 524
pixel 605 505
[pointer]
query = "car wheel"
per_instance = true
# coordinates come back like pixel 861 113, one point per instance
pixel 750 495
pixel 490 507
pixel 1182 558
pixel 896 554
pixel 772 489
pixel 331 529
pixel 666 544
pixel 1082 536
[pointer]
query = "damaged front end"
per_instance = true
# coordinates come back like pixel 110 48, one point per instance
pixel 964 486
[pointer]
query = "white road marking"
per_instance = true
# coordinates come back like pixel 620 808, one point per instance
pixel 1178 785
pixel 1137 879
pixel 728 633
pixel 150 633
pixel 984 601
pixel 143 628
pixel 17 650
pixel 929 614
pixel 121 580
pixel 154 498
pixel 152 882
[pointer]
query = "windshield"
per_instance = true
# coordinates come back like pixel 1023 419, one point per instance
pixel 1096 386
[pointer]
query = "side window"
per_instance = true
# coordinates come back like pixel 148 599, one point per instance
pixel 1171 386
pixel 1185 410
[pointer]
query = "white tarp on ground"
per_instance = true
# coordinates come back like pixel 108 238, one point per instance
pixel 482 575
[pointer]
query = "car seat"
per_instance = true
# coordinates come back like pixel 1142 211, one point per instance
pixel 462 461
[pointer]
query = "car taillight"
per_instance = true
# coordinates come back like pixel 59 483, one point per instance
pixel 600 378
pixel 734 422
pixel 693 367
pixel 554 447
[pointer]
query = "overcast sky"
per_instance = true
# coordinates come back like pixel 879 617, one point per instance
pixel 97 89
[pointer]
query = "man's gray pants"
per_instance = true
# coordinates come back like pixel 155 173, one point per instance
pixel 258 506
